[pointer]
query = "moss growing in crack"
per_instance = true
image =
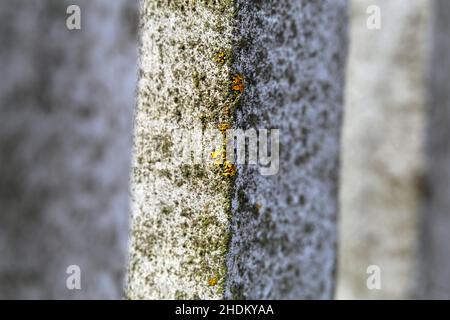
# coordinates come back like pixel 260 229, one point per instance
pixel 221 280
pixel 236 104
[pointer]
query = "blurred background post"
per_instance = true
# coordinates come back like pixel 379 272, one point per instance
pixel 66 106
pixel 382 152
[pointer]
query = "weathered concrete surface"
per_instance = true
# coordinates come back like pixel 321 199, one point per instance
pixel 180 210
pixel 434 271
pixel 66 104
pixel 291 56
pixel 382 149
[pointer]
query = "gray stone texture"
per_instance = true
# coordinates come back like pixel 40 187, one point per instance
pixel 256 236
pixel 293 55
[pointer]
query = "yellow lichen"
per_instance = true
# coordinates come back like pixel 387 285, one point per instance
pixel 212 282
pixel 223 127
pixel 217 153
pixel 238 83
pixel 229 169
pixel 220 57
pixel 218 156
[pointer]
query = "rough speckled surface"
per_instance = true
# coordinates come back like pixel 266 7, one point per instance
pixel 180 210
pixel 66 104
pixel 291 55
pixel 382 159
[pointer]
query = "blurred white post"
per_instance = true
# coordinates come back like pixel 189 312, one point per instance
pixel 382 148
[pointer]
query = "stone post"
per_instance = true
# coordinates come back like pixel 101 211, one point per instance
pixel 204 229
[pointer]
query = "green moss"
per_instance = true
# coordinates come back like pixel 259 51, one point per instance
pixel 164 144
pixel 179 295
pixel 165 173
pixel 203 120
pixel 200 233
pixel 196 78
pixel 187 212
pixel 236 104
pixel 224 56
pixel 166 210
pixel 253 121
pixel 237 292
pixel 193 173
